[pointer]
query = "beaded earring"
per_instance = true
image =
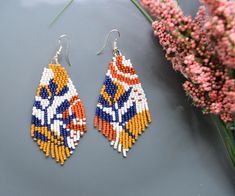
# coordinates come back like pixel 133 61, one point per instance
pixel 122 112
pixel 58 116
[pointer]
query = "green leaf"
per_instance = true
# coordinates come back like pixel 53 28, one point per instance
pixel 139 7
pixel 227 137
pixel 60 13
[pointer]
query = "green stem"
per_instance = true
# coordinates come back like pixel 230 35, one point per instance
pixel 60 13
pixel 227 138
pixel 229 143
pixel 139 7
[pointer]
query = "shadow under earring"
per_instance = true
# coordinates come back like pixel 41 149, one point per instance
pixel 58 116
pixel 122 112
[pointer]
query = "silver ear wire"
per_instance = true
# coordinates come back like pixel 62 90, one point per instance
pixel 58 53
pixel 115 48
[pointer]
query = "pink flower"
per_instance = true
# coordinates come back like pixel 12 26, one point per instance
pixel 216 108
pixel 202 49
pixel 232 37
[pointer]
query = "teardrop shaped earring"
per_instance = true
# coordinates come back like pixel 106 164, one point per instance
pixel 122 112
pixel 58 116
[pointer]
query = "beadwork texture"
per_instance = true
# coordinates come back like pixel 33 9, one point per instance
pixel 122 112
pixel 58 117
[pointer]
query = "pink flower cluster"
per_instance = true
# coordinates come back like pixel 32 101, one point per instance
pixel 202 49
pixel 221 28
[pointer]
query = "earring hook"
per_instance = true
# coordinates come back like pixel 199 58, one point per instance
pixel 58 53
pixel 115 48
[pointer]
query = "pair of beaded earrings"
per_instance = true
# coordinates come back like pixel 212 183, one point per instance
pixel 58 115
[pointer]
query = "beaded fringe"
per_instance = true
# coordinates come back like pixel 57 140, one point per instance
pixel 122 112
pixel 58 117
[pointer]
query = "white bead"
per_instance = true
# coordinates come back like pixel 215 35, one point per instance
pixel 119 148
pixel 124 152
